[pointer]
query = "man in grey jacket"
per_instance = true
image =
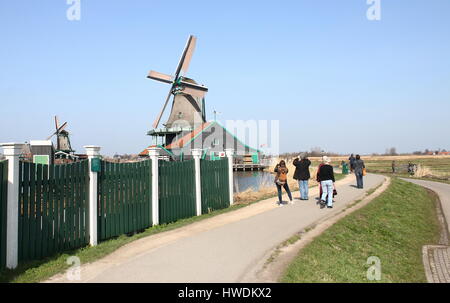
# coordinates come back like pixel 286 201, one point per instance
pixel 358 167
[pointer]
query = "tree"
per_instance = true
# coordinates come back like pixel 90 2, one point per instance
pixel 393 151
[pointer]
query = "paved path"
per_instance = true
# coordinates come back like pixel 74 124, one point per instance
pixel 436 258
pixel 220 249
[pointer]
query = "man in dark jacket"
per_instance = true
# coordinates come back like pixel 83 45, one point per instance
pixel 358 168
pixel 352 160
pixel 302 175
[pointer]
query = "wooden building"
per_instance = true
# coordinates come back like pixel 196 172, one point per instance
pixel 213 139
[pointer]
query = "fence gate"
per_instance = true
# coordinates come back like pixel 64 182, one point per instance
pixel 124 198
pixel 3 211
pixel 176 191
pixel 215 187
pixel 53 208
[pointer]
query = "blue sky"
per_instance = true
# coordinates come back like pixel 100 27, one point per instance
pixel 333 78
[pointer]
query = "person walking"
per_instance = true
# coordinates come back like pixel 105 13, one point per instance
pixel 281 181
pixel 302 175
pixel 393 167
pixel 359 168
pixel 326 177
pixel 352 160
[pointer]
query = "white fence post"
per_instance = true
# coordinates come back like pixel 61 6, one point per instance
pixel 12 151
pixel 230 152
pixel 153 152
pixel 92 152
pixel 196 154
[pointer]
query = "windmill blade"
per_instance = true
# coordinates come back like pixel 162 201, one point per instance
pixel 50 136
pixel 182 64
pixel 56 123
pixel 61 128
pixel 189 53
pixel 155 124
pixel 194 92
pixel 160 77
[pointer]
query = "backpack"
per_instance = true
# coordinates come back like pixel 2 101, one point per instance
pixel 282 176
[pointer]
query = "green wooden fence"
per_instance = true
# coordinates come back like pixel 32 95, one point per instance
pixel 215 187
pixel 3 210
pixel 53 208
pixel 124 197
pixel 176 191
pixel 54 201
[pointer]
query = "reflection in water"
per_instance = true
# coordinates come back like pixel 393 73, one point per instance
pixel 244 180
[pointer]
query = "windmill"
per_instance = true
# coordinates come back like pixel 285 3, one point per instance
pixel 188 105
pixel 62 137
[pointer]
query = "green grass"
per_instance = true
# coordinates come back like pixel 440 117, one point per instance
pixel 393 227
pixel 36 271
pixel 438 165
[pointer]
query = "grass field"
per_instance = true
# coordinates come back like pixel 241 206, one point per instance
pixel 432 167
pixel 393 227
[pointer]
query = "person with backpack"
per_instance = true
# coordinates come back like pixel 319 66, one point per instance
pixel 326 177
pixel 281 181
pixel 302 175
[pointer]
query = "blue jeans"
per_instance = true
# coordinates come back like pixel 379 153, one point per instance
pixel 359 179
pixel 303 186
pixel 286 188
pixel 327 190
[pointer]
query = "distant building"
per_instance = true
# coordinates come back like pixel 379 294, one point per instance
pixel 42 151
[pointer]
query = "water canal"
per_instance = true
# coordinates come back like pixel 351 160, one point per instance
pixel 244 180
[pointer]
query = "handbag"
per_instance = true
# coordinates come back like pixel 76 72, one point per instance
pixel 364 172
pixel 334 192
pixel 281 183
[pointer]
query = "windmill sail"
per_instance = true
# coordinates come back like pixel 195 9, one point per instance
pixel 184 90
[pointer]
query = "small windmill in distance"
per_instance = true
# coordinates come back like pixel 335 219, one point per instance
pixel 62 139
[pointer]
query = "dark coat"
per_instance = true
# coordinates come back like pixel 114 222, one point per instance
pixel 302 169
pixel 326 173
pixel 358 166
pixel 352 162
